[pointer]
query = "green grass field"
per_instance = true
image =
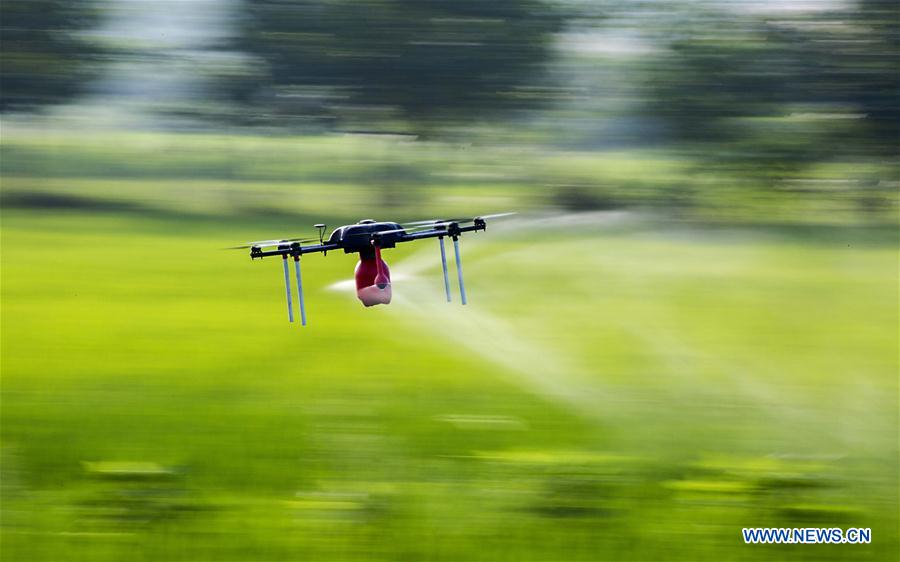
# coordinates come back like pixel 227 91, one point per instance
pixel 621 387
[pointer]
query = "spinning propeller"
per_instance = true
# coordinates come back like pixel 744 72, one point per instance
pixel 270 243
pixel 433 222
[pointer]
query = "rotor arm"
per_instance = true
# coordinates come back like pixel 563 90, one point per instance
pixel 452 230
pixel 292 250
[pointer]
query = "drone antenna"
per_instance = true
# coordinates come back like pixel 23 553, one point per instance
pixel 287 287
pixel 444 265
pixel 299 289
pixel 459 273
pixel 321 227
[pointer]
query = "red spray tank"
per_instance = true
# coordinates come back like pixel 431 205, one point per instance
pixel 373 278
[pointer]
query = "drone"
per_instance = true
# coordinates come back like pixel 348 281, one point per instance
pixel 368 238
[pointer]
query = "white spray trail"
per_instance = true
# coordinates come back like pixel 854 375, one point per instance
pixel 528 362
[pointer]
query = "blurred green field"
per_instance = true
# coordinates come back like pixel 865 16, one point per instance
pixel 621 386
pixel 342 175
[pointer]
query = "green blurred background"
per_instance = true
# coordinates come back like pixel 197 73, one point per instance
pixel 690 327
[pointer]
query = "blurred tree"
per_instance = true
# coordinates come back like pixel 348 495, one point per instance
pixel 44 59
pixel 785 90
pixel 403 60
pixel 869 64
pixel 715 71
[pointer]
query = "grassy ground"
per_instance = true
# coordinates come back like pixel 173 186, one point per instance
pixel 620 387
